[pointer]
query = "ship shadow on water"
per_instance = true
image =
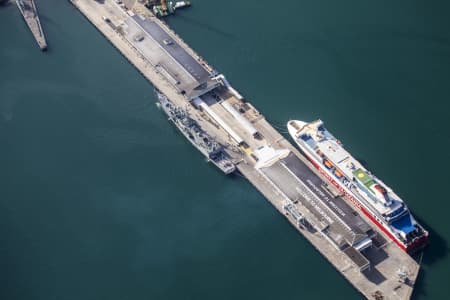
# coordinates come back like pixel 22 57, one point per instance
pixel 436 251
pixel 438 247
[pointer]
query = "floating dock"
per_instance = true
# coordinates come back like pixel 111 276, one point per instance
pixel 29 12
pixel 372 263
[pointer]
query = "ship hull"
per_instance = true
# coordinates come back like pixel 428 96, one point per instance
pixel 411 248
pixel 163 102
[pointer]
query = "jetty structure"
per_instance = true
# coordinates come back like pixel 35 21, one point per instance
pixel 29 12
pixel 365 256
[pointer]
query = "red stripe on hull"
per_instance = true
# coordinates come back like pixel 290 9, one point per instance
pixel 355 203
pixel 418 244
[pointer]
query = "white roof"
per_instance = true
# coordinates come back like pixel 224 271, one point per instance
pixel 342 159
pixel 335 152
pixel 268 155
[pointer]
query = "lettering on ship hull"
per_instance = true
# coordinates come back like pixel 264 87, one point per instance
pixel 358 205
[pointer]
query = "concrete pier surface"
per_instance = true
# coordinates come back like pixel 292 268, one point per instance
pixel 29 12
pixel 368 259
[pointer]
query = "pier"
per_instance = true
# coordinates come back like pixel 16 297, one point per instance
pixel 368 259
pixel 29 12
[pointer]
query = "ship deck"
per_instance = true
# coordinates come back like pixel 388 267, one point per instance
pixel 336 204
pixel 347 164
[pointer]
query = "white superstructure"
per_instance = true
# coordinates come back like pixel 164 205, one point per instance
pixel 368 193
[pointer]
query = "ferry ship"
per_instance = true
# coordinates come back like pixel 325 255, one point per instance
pixel 360 187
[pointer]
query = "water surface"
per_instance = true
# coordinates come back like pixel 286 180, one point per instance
pixel 100 198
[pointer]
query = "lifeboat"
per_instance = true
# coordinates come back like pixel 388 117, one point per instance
pixel 338 174
pixel 327 163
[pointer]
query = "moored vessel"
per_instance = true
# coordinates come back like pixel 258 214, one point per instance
pixel 196 135
pixel 360 187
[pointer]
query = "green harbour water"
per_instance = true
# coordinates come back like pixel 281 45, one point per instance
pixel 101 198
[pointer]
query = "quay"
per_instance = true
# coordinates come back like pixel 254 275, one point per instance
pixel 29 12
pixel 373 264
